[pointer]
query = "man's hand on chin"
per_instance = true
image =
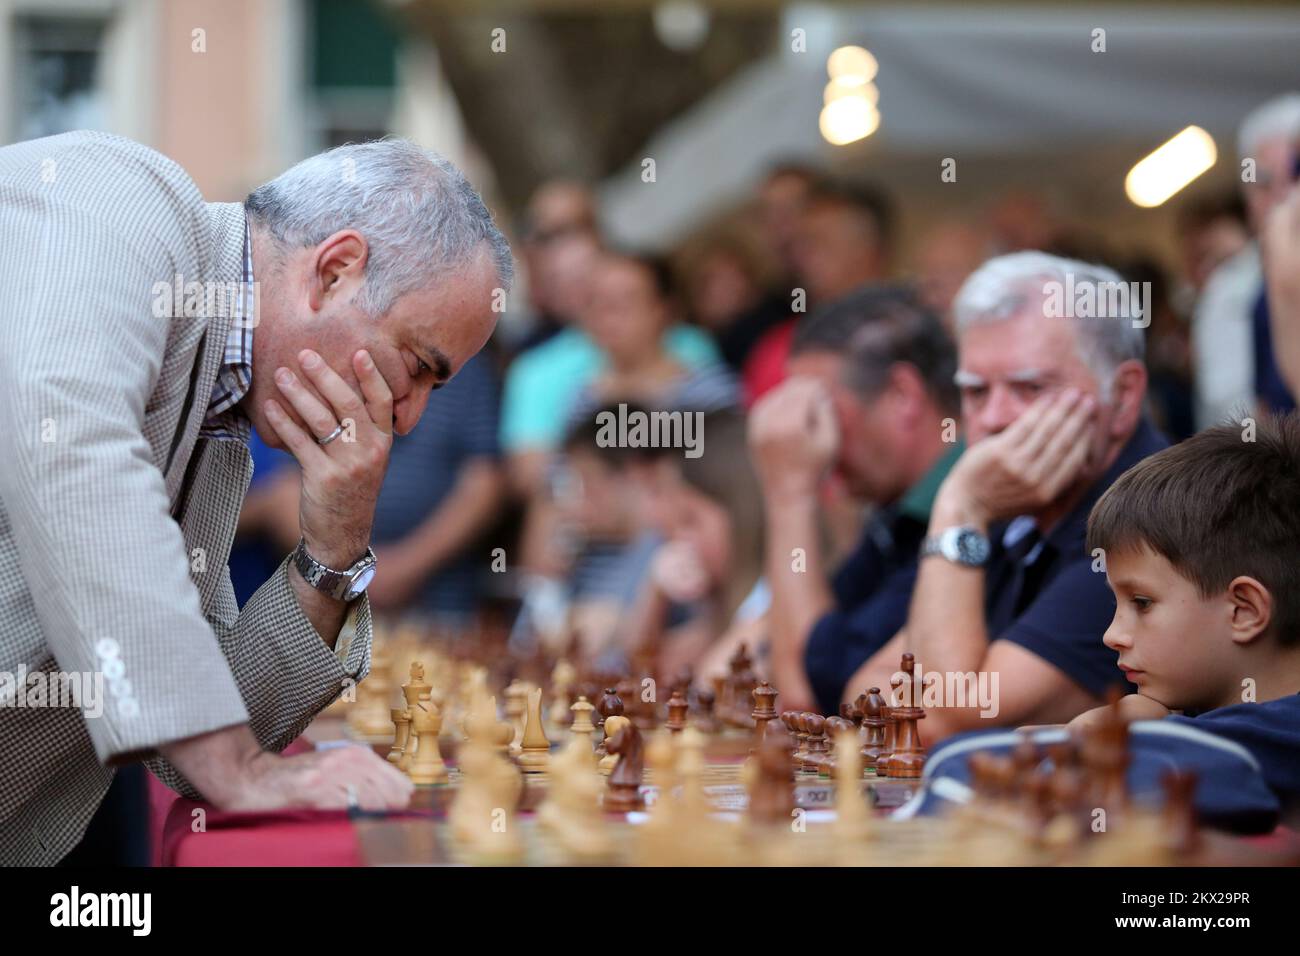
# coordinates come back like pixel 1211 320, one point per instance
pixel 1023 468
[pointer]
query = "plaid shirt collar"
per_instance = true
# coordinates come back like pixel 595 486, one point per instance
pixel 224 421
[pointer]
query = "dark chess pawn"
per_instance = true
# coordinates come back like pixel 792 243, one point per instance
pixel 817 750
pixel 872 730
pixel 677 710
pixel 623 789
pixel 764 707
pixel 908 757
pixel 788 720
pixel 706 721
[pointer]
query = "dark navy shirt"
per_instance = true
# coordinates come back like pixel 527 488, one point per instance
pixel 1270 388
pixel 872 588
pixel 1271 732
pixel 459 424
pixel 1043 594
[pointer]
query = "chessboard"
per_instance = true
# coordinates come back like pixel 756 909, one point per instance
pixel 591 770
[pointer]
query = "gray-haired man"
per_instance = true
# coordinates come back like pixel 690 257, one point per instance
pixel 1009 609
pixel 141 331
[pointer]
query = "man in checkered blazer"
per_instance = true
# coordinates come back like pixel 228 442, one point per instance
pixel 142 332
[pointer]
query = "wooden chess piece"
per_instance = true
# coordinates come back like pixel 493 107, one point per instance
pixel 705 719
pixel 742 682
pixel 571 810
pixel 516 695
pixel 412 691
pixel 908 757
pixel 1178 815
pixel 677 710
pixel 535 750
pixel 771 794
pixel 891 728
pixel 852 819
pixel 624 786
pixel 609 760
pixel 764 707
pixel 427 767
pixel 402 723
pixel 1104 751
pixel 793 721
pixel 837 727
pixel 816 725
pixel 582 725
pixel 489 785
pixel 872 731
pixel 563 679
pixel 721 698
pixel 611 705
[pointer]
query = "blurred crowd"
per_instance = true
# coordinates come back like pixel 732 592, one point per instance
pixel 839 384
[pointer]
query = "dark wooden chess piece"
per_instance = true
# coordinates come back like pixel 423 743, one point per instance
pixel 817 752
pixel 891 729
pixel 1104 750
pixel 706 720
pixel 623 789
pixel 771 797
pixel 764 708
pixel 788 722
pixel 610 705
pixel 677 710
pixel 908 757
pixel 1179 812
pixel 872 731
pixel 721 698
pixel 742 682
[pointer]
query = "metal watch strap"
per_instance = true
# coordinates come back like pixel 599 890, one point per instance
pixel 324 578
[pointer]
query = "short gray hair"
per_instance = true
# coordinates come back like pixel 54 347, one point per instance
pixel 1278 118
pixel 1006 286
pixel 417 212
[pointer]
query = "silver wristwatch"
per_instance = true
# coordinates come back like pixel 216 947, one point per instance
pixel 341 585
pixel 961 545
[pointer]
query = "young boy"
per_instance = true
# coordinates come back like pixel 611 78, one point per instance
pixel 1202 549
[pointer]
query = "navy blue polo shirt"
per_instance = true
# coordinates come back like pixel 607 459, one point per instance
pixel 1271 732
pixel 459 425
pixel 872 588
pixel 1042 593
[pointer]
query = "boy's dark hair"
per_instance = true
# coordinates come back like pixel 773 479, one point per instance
pixel 1217 506
pixel 874 328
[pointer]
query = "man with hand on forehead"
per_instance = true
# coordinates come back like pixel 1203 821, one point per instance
pixel 365 279
pixel 1052 406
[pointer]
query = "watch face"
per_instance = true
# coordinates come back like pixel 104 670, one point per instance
pixel 972 547
pixel 361 582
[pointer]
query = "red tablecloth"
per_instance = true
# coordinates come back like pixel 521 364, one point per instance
pixel 182 837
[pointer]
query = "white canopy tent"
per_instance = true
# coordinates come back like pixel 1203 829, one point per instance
pixel 1015 94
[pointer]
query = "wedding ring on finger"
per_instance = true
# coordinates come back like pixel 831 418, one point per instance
pixel 338 430
pixel 353 802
